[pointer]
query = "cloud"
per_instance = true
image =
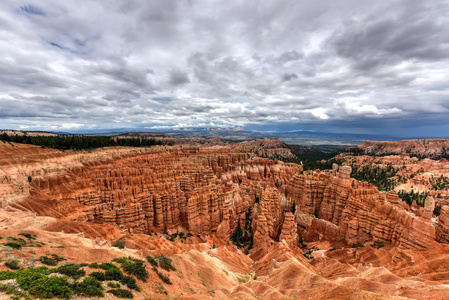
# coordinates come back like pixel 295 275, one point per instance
pixel 288 77
pixel 322 65
pixel 178 77
pixel 354 108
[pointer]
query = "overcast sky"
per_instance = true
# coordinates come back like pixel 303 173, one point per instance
pixel 339 66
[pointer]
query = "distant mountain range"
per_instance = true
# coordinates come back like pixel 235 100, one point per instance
pixel 310 138
pixel 290 137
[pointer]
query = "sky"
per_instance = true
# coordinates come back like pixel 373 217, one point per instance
pixel 353 66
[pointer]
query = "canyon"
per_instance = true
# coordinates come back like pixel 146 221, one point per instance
pixel 316 234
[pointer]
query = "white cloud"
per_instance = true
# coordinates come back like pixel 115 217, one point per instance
pixel 355 108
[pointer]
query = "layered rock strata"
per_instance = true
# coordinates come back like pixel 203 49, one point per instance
pixel 356 212
pixel 182 188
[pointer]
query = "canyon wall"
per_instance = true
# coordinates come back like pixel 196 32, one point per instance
pixel 356 212
pixel 430 148
pixel 182 188
pixel 206 190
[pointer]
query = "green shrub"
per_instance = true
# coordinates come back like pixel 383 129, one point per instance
pixel 120 260
pixel 6 275
pixel 119 244
pixel 58 258
pixel 152 261
pixel 48 261
pixel 136 268
pixel 121 293
pixel 27 235
pixel 98 275
pixel 165 262
pixel 94 265
pixel 377 244
pixel 165 278
pixel 89 287
pixel 106 266
pixel 14 245
pixel 12 264
pixel 17 240
pixel 71 270
pixel 113 273
pixel 308 255
pixel 114 285
pixel 42 286
pixel 11 289
pixel 130 282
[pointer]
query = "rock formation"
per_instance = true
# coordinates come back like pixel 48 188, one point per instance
pixel 442 230
pixel 355 211
pixel 289 231
pixel 186 187
pixel 430 148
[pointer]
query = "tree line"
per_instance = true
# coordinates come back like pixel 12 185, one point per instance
pixel 79 142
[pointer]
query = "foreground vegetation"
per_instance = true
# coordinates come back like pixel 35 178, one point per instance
pixel 57 278
pixel 70 279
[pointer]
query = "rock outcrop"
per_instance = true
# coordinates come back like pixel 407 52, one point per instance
pixel 430 148
pixel 289 232
pixel 356 212
pixel 185 187
pixel 442 230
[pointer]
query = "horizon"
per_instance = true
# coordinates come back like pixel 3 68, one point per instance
pixel 344 68
pixel 215 132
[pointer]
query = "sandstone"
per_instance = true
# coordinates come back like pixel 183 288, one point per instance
pixel 356 212
pixel 442 230
pixel 158 190
pixel 289 231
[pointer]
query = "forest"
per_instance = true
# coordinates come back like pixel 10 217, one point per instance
pixel 79 142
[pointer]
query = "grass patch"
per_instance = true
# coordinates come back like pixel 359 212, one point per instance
pixel 160 289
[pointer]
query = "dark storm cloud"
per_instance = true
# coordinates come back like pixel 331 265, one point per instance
pixel 287 77
pixel 321 64
pixel 178 77
pixel 33 10
pixel 413 31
